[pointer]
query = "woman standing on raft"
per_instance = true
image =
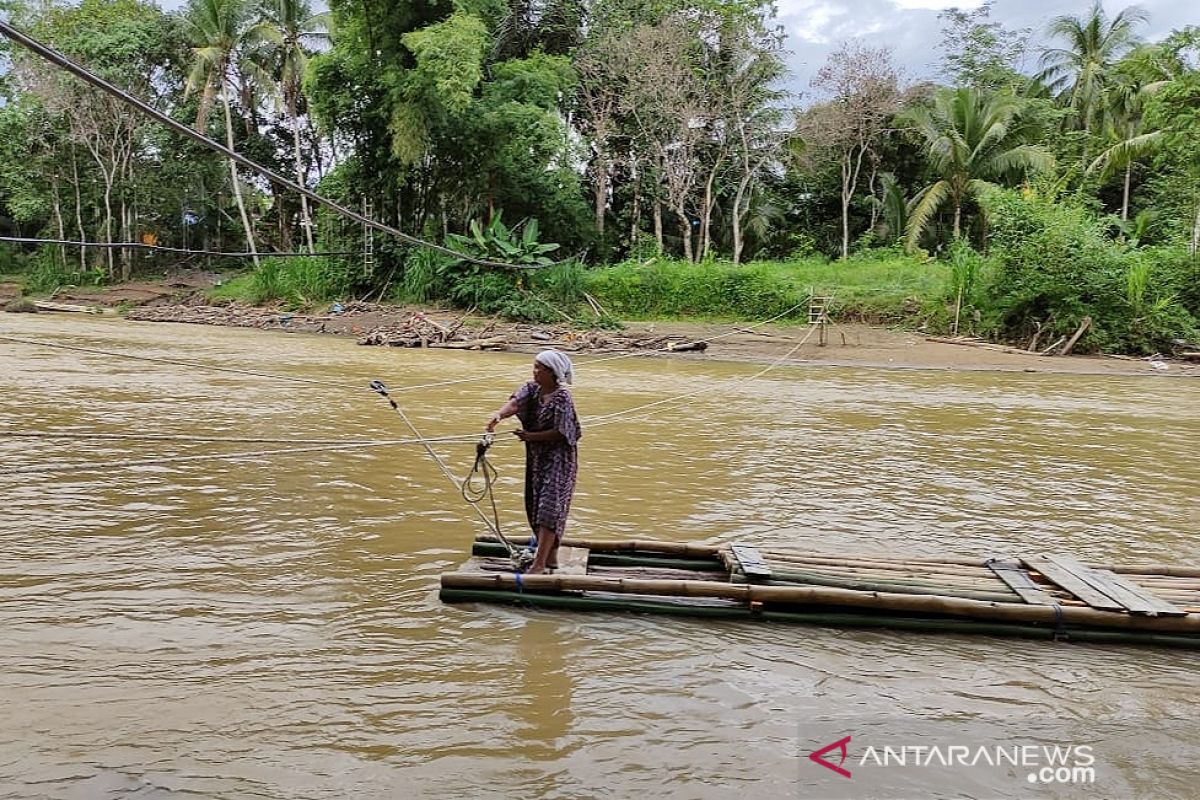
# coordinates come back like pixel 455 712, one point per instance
pixel 550 430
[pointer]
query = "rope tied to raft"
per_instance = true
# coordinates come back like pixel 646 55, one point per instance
pixel 476 494
pixel 1059 633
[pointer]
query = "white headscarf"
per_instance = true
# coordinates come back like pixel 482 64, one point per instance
pixel 558 363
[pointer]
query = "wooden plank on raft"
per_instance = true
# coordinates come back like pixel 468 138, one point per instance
pixel 1074 583
pixel 1155 606
pixel 751 562
pixel 572 561
pixel 1135 598
pixel 1019 581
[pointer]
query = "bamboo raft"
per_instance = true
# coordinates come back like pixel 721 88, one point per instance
pixel 1039 596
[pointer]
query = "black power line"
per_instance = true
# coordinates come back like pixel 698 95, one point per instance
pixel 143 246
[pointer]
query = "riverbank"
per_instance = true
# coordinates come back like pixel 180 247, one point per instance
pixel 181 298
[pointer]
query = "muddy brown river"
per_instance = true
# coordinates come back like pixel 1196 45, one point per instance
pixel 267 625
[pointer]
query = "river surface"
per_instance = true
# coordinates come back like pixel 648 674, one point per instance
pixel 268 626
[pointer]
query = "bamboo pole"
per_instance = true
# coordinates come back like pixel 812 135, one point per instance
pixel 640 545
pixel 661 561
pixel 829 596
pixel 999 594
pixel 947 569
pixel 838 619
pixel 981 582
pixel 1165 570
pixel 806 579
pixel 981 579
pixel 977 563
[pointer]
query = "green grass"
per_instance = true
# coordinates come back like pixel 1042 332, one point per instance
pixel 880 287
pixel 294 281
pixel 239 288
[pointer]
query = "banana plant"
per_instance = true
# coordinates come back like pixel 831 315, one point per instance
pixel 496 241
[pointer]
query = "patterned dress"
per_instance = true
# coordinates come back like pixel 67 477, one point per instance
pixel 550 467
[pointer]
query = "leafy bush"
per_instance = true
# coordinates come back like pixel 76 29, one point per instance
pixel 1055 264
pixel 876 286
pixel 498 242
pixel 435 277
pixel 45 273
pixel 296 281
pixel 11 259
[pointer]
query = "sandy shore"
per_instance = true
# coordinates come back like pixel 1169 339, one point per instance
pixel 178 299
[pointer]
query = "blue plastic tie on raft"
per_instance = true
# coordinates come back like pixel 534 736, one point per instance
pixel 1060 629
pixel 520 585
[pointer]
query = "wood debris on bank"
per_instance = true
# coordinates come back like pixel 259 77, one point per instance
pixel 388 326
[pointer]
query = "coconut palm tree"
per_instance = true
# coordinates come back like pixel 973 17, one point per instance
pixel 291 28
pixel 219 32
pixel 971 140
pixel 1142 73
pixel 1079 72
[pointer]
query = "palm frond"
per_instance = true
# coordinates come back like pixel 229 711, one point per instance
pixel 927 202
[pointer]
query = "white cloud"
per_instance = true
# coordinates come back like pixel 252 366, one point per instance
pixel 911 29
pixel 809 21
pixel 937 5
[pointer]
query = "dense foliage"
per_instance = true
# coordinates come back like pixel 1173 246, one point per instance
pixel 646 149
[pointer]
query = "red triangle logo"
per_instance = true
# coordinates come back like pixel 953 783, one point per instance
pixel 818 757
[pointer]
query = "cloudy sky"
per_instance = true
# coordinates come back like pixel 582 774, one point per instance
pixel 913 32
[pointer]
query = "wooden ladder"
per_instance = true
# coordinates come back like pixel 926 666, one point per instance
pixel 818 314
pixel 368 210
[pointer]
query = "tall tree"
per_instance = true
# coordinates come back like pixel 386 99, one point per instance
pixel 128 43
pixel 979 52
pixel 750 66
pixel 971 140
pixel 219 32
pixel 666 101
pixel 293 30
pixel 1175 111
pixel 1080 71
pixel 863 89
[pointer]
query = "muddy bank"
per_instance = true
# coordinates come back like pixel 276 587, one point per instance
pixel 181 299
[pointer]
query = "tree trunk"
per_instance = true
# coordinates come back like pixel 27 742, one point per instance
pixel 635 223
pixel 237 191
pixel 743 185
pixel 1125 193
pixel 1195 247
pixel 874 204
pixel 709 202
pixel 685 233
pixel 305 219
pixel 658 225
pixel 79 212
pixel 600 198
pixel 58 219
pixel 847 193
pixel 126 236
pixel 957 217
pixel 108 215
